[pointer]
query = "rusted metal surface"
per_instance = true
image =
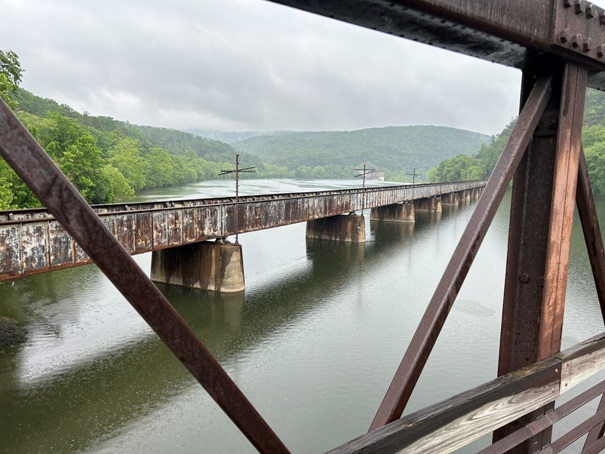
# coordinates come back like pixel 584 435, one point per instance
pixel 61 198
pixel 592 231
pixel 441 303
pixel 528 243
pixel 540 238
pixel 562 209
pixel 596 255
pixel 32 241
pixel 501 31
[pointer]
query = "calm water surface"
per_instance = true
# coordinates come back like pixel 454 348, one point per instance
pixel 313 342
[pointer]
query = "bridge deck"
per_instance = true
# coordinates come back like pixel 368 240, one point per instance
pixel 32 241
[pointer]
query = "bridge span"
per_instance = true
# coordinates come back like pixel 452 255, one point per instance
pixel 33 241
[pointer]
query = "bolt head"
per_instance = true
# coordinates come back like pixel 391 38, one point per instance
pixel 565 35
pixel 587 44
pixel 600 51
pixel 590 12
pixel 576 40
pixel 579 6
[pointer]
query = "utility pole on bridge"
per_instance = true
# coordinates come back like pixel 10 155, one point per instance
pixel 237 171
pixel 363 174
pixel 413 174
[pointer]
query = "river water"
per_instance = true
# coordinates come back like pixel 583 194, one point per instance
pixel 313 342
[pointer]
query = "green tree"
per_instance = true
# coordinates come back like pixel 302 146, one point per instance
pixel 118 188
pixel 126 156
pixel 10 76
pixel 76 152
pixel 161 170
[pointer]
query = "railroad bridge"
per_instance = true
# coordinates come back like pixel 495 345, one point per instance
pixel 559 45
pixel 177 232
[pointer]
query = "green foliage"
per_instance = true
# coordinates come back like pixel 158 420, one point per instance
pixel 458 168
pixel 10 66
pixel 106 159
pixel 126 157
pixel 476 167
pixel 593 139
pixel 10 77
pixel 393 150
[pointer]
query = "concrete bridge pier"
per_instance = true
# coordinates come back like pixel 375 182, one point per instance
pixel 430 204
pixel 206 266
pixel 399 212
pixel 350 228
pixel 467 196
pixel 452 198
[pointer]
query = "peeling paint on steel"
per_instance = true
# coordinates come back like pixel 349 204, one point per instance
pixel 31 241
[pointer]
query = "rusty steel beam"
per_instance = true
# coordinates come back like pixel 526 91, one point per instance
pixel 596 255
pixel 62 199
pixel 527 245
pixel 32 241
pixel 592 231
pixel 542 208
pixel 562 210
pixel 441 303
pixel 501 31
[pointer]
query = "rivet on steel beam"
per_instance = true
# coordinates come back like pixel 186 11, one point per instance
pixel 565 35
pixel 579 6
pixel 566 3
pixel 587 44
pixel 602 19
pixel 600 51
pixel 576 41
pixel 590 11
pixel 524 278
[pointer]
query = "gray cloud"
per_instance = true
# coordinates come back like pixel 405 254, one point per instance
pixel 245 65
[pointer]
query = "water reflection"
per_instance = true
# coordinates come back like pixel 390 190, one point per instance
pixel 313 342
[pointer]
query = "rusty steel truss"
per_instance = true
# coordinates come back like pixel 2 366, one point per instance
pixel 32 241
pixel 560 47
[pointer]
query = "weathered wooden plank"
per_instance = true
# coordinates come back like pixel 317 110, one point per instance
pixel 582 361
pixel 457 421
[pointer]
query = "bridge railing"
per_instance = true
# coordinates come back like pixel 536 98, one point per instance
pixel 462 419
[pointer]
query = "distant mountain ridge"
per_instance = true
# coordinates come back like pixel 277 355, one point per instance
pixel 392 149
pixel 232 137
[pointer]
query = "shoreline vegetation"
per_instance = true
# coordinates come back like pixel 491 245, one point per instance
pixel 110 160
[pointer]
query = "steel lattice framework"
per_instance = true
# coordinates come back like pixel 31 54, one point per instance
pixel 559 46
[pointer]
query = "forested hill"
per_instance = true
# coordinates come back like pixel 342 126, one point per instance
pixel 170 140
pixel 395 150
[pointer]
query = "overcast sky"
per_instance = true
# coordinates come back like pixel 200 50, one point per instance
pixel 237 65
